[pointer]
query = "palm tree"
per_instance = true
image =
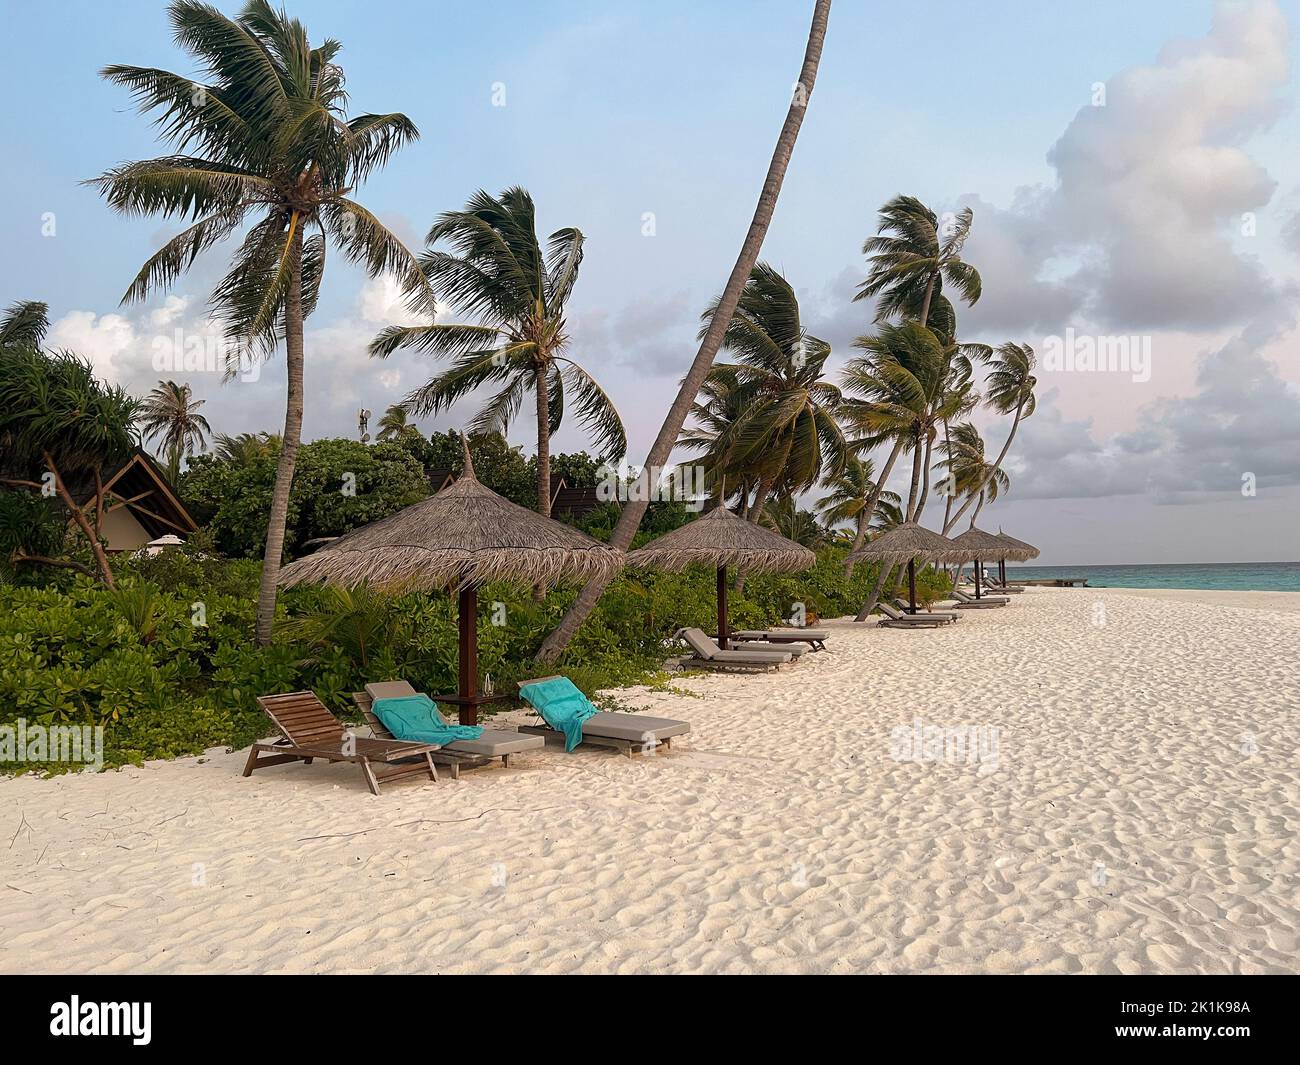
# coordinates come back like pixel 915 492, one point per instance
pixel 24 324
pixel 969 470
pixel 518 294
pixel 275 150
pixel 170 412
pixel 1010 390
pixel 395 424
pixel 786 433
pixel 852 491
pixel 783 515
pixel 245 448
pixel 899 397
pixel 714 415
pixel 630 518
pixel 910 259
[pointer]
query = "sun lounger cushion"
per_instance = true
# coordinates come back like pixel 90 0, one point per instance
pixel 710 652
pixel 794 649
pixel 416 717
pixel 562 706
pixel 635 727
pixel 785 634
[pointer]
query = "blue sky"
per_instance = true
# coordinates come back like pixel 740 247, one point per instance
pixel 615 110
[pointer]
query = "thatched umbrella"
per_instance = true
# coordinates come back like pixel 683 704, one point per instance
pixel 907 543
pixel 464 536
pixel 1019 552
pixel 721 539
pixel 977 545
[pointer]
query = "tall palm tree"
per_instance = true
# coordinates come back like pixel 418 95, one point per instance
pixel 245 447
pixel 171 412
pixel 501 276
pixel 395 424
pixel 851 492
pixel 630 517
pixel 969 469
pixel 277 157
pixel 24 324
pixel 786 434
pixel 714 414
pixel 910 259
pixel 1009 389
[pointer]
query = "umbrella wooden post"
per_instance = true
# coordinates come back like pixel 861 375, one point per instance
pixel 467 685
pixel 724 633
pixel 977 579
pixel 911 584
pixel 1002 572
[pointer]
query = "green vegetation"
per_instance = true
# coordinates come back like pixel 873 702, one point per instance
pixel 164 661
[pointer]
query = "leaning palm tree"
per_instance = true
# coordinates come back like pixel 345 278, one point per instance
pixel 630 518
pixel 24 324
pixel 171 412
pixel 396 424
pixel 500 276
pixel 969 470
pixel 245 448
pixel 1009 389
pixel 787 433
pixel 851 493
pixel 276 157
pixel 896 397
pixel 911 257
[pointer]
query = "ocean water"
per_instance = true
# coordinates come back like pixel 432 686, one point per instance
pixel 1229 576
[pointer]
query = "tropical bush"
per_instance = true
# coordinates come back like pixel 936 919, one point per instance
pixel 166 661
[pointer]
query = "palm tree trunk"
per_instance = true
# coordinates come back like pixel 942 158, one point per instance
pixel 630 519
pixel 874 597
pixel 925 479
pixel 952 486
pixel 293 358
pixel 925 303
pixel 869 510
pixel 991 474
pixel 542 387
pixel 916 479
pixel 975 517
pixel 755 516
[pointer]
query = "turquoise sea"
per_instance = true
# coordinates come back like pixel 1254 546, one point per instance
pixel 1229 576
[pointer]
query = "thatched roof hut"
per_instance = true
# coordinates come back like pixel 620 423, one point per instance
pixel 458 539
pixel 905 543
pixel 721 538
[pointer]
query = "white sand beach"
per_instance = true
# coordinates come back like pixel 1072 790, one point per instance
pixel 1141 814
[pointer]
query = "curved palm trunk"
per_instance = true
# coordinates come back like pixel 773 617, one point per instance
pixel 542 387
pixel 273 556
pixel 916 480
pixel 925 480
pixel 975 517
pixel 869 510
pixel 876 589
pixel 633 512
pixel 991 474
pixel 951 493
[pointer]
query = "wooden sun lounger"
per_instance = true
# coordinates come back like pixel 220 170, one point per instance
pixel 968 602
pixel 795 650
pixel 629 733
pixel 815 638
pixel 1003 589
pixel 461 754
pixel 708 655
pixel 900 619
pixel 310 731
pixel 947 615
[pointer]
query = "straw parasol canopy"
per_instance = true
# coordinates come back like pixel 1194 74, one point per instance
pixel 462 537
pixel 976 543
pixel 721 539
pixel 465 535
pixel 905 543
pixel 1019 551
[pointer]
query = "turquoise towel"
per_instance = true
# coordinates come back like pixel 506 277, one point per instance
pixel 416 717
pixel 561 705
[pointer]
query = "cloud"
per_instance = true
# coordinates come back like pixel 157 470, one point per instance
pixel 1151 189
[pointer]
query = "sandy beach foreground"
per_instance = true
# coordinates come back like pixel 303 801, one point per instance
pixel 1133 806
